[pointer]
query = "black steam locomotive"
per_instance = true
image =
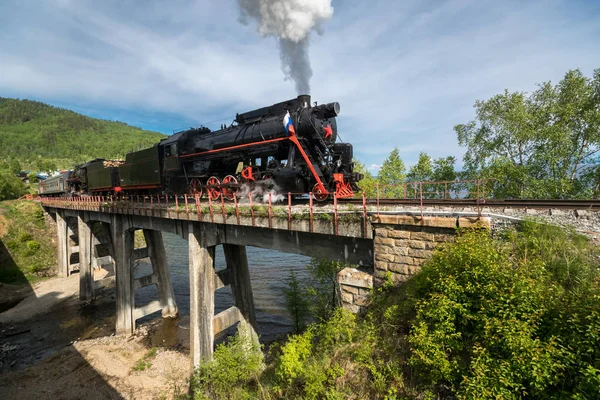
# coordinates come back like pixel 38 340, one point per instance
pixel 288 147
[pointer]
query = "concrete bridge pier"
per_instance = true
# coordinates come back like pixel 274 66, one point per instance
pixel 160 273
pixel 125 255
pixel 241 288
pixel 62 236
pixel 204 324
pixel 87 250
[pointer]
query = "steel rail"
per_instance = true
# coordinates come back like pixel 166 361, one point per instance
pixel 513 203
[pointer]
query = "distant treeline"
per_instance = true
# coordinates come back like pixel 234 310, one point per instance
pixel 40 136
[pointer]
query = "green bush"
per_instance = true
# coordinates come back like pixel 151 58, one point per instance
pixel 33 245
pixel 232 374
pixel 38 216
pixel 25 237
pixel 336 359
pixel 29 244
pixel 484 319
pixel 490 317
pixel 11 187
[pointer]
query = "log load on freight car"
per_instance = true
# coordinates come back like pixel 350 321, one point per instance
pixel 289 147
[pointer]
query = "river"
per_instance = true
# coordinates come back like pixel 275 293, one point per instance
pixel 269 272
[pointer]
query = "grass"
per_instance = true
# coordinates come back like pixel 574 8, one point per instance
pixel 27 253
pixel 145 362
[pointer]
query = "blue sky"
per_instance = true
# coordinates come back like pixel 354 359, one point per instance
pixel 404 72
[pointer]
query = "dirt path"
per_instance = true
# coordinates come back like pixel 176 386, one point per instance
pixel 52 346
pixel 102 368
pixel 45 296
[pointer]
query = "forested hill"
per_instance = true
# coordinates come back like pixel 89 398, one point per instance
pixel 36 133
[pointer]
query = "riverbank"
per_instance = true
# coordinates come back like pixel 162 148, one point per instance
pixel 55 347
pixel 27 243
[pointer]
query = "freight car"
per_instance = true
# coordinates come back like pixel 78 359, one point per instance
pixel 94 177
pixel 290 146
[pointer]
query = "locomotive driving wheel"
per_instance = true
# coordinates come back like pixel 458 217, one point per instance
pixel 196 187
pixel 318 193
pixel 213 188
pixel 228 192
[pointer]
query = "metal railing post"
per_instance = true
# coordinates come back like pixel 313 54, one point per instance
pixel 289 211
pixel 237 210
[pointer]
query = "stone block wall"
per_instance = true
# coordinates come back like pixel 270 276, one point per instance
pixel 403 243
pixel 354 289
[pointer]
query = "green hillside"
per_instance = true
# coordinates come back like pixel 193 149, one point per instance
pixel 39 135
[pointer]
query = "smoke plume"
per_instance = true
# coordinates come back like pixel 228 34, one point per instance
pixel 290 21
pixel 260 193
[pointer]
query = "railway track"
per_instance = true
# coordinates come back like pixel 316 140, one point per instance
pixel 514 203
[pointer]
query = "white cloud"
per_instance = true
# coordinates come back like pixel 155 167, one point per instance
pixel 374 168
pixel 405 72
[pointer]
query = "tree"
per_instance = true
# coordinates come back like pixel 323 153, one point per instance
pixel 296 303
pixel 32 177
pixel 392 175
pixel 443 171
pixel 420 172
pixel 542 145
pixel 11 187
pixel 323 288
pixel 15 166
pixel 368 184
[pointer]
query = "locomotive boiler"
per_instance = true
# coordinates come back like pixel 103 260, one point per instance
pixel 257 149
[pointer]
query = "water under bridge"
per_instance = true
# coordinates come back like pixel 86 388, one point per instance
pixel 386 239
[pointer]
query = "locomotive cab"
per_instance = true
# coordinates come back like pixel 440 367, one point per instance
pixel 171 157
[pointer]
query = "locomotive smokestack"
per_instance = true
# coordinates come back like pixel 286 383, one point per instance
pixel 304 99
pixel 291 22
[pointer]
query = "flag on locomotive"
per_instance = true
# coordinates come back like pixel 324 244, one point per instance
pixel 287 123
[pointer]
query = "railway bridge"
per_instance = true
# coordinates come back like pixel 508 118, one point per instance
pixel 385 239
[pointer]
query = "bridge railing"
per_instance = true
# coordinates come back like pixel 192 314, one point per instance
pixel 469 189
pixel 442 190
pixel 194 207
pixel 272 205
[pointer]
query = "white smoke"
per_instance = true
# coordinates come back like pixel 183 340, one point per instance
pixel 260 192
pixel 290 21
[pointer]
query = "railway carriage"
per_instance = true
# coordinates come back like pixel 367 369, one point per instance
pixel 55 185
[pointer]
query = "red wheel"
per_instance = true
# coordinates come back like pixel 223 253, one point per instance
pixel 319 194
pixel 196 187
pixel 228 192
pixel 213 188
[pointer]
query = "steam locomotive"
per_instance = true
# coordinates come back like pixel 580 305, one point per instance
pixel 290 146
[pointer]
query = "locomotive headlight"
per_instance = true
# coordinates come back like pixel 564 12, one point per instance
pixel 339 163
pixel 329 110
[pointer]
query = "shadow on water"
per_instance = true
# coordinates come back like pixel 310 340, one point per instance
pixel 36 356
